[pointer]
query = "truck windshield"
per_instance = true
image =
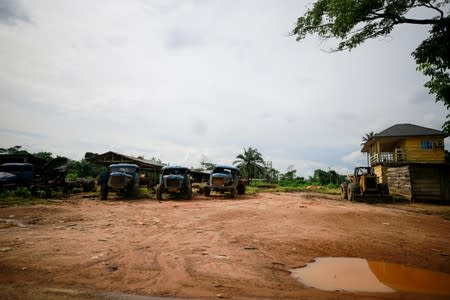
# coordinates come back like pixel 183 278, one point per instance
pixel 174 171
pixel 15 168
pixel 223 171
pixel 128 170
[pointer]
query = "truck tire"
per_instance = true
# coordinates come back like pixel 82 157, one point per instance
pixel 233 193
pixel 104 190
pixel 344 195
pixel 353 189
pixel 350 195
pixel 241 189
pixel 207 191
pixel 158 193
pixel 383 189
pixel 189 194
pixel 344 191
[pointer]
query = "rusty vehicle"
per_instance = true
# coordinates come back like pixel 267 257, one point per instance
pixel 51 176
pixel 121 178
pixel 14 175
pixel 363 186
pixel 223 179
pixel 174 180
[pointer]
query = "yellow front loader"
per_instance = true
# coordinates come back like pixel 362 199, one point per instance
pixel 362 186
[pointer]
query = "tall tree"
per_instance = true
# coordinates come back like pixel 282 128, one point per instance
pixel 353 22
pixel 16 150
pixel 47 156
pixel 251 161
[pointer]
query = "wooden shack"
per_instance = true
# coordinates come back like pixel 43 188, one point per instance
pixel 421 182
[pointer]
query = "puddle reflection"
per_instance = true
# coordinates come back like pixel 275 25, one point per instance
pixel 360 275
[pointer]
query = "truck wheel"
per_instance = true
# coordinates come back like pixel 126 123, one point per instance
pixel 344 189
pixel 383 189
pixel 207 191
pixel 353 189
pixel 350 194
pixel 233 193
pixel 344 195
pixel 241 189
pixel 158 193
pixel 104 192
pixel 129 192
pixel 189 194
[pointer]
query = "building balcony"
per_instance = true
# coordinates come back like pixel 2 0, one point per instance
pixel 387 157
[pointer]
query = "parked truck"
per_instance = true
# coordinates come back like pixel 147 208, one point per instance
pixel 47 177
pixel 223 179
pixel 174 180
pixel 121 178
pixel 14 175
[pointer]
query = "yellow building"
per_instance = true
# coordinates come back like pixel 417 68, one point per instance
pixel 402 153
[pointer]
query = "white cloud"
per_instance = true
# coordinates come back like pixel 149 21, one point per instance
pixel 355 158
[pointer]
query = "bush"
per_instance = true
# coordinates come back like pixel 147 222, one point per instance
pixel 20 192
pixel 19 196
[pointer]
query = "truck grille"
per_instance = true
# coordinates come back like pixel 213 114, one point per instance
pixel 117 181
pixel 218 181
pixel 174 183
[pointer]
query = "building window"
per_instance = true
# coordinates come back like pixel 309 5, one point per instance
pixel 426 145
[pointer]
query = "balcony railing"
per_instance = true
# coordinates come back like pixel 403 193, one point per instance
pixel 387 157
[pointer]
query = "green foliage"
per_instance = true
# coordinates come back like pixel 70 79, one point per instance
pixel 367 137
pixel 83 169
pixel 433 59
pixel 21 192
pixel 47 156
pixel 330 189
pixel 16 150
pixel 89 155
pixel 142 193
pixel 320 178
pixel 330 177
pixel 353 22
pixel 205 166
pixel 251 163
pixel 290 178
pixel 19 196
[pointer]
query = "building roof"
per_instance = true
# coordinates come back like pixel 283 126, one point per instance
pixel 402 131
pixel 111 157
pixel 175 167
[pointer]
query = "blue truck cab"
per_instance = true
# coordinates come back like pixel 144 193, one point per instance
pixel 174 180
pixel 225 178
pixel 16 174
pixel 120 178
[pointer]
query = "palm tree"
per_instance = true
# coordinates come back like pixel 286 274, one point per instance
pixel 367 137
pixel 251 162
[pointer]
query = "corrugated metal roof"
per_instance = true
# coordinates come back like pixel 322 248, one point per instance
pixel 138 161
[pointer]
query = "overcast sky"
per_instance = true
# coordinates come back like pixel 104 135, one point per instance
pixel 189 80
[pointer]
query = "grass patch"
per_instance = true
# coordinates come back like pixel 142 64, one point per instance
pixel 321 189
pixel 19 196
pixel 143 193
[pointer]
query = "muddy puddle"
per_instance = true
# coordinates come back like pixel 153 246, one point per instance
pixel 361 275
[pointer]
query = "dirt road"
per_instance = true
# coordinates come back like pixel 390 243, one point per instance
pixel 215 247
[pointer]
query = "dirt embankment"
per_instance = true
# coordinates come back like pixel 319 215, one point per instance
pixel 207 247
